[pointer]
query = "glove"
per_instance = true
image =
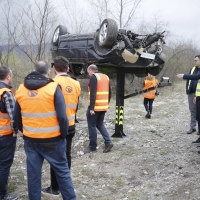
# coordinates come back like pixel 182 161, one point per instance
pixel 157 93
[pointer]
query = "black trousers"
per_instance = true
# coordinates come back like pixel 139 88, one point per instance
pixel 54 183
pixel 148 104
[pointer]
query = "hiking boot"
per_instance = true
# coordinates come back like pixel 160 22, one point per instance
pixel 191 131
pixel 9 197
pixel 48 191
pixel 108 147
pixel 197 141
pixel 88 150
pixel 148 115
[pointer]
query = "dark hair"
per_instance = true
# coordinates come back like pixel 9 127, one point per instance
pixel 93 67
pixel 198 56
pixel 42 67
pixel 61 64
pixel 4 71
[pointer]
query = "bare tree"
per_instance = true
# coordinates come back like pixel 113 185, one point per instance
pixel 8 29
pixel 26 32
pixel 74 17
pixel 100 9
pixel 36 29
pixel 123 11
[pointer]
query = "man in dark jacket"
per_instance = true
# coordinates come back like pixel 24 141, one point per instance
pixel 40 115
pixel 8 131
pixel 190 91
pixel 196 100
pixel 99 94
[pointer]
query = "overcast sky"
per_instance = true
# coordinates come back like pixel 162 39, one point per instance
pixel 182 16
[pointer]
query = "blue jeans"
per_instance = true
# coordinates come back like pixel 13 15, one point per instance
pixel 96 121
pixel 148 104
pixel 7 150
pixel 54 183
pixel 55 154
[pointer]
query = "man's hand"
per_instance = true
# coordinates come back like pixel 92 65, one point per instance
pixel 194 100
pixel 180 75
pixel 92 112
pixel 14 135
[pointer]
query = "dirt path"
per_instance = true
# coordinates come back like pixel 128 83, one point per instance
pixel 155 161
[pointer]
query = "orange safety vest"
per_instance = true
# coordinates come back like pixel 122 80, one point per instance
pixel 101 102
pixel 5 124
pixel 71 90
pixel 148 84
pixel 39 117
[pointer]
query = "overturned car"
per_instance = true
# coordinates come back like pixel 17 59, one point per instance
pixel 110 49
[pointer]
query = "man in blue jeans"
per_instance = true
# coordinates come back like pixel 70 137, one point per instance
pixel 40 115
pixel 8 131
pixel 99 94
pixel 190 91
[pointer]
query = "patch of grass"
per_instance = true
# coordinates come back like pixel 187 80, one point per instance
pixel 83 170
pixel 157 194
pixel 151 185
pixel 11 187
pixel 119 182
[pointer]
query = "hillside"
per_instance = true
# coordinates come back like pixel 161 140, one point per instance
pixel 155 161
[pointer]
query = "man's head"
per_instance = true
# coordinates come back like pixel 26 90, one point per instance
pixel 150 77
pixel 43 68
pixel 6 75
pixel 92 69
pixel 197 61
pixel 61 64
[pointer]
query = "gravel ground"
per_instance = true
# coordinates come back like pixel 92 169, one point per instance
pixel 155 161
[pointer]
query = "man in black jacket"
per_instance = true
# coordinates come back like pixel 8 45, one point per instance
pixel 99 94
pixel 190 91
pixel 40 115
pixel 191 85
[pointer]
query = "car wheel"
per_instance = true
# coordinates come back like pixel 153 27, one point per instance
pixel 60 30
pixel 108 32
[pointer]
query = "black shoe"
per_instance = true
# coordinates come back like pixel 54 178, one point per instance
pixel 198 145
pixel 148 115
pixel 197 141
pixel 9 197
pixel 88 150
pixel 108 147
pixel 191 131
pixel 49 191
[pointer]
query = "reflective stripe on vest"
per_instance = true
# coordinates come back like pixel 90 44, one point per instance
pixel 190 80
pixel 38 111
pixel 151 93
pixel 39 130
pixel 4 116
pixel 39 115
pixel 102 93
pixel 198 89
pixel 71 90
pixel 5 124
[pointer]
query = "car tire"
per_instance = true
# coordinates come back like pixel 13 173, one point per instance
pixel 60 30
pixel 107 34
